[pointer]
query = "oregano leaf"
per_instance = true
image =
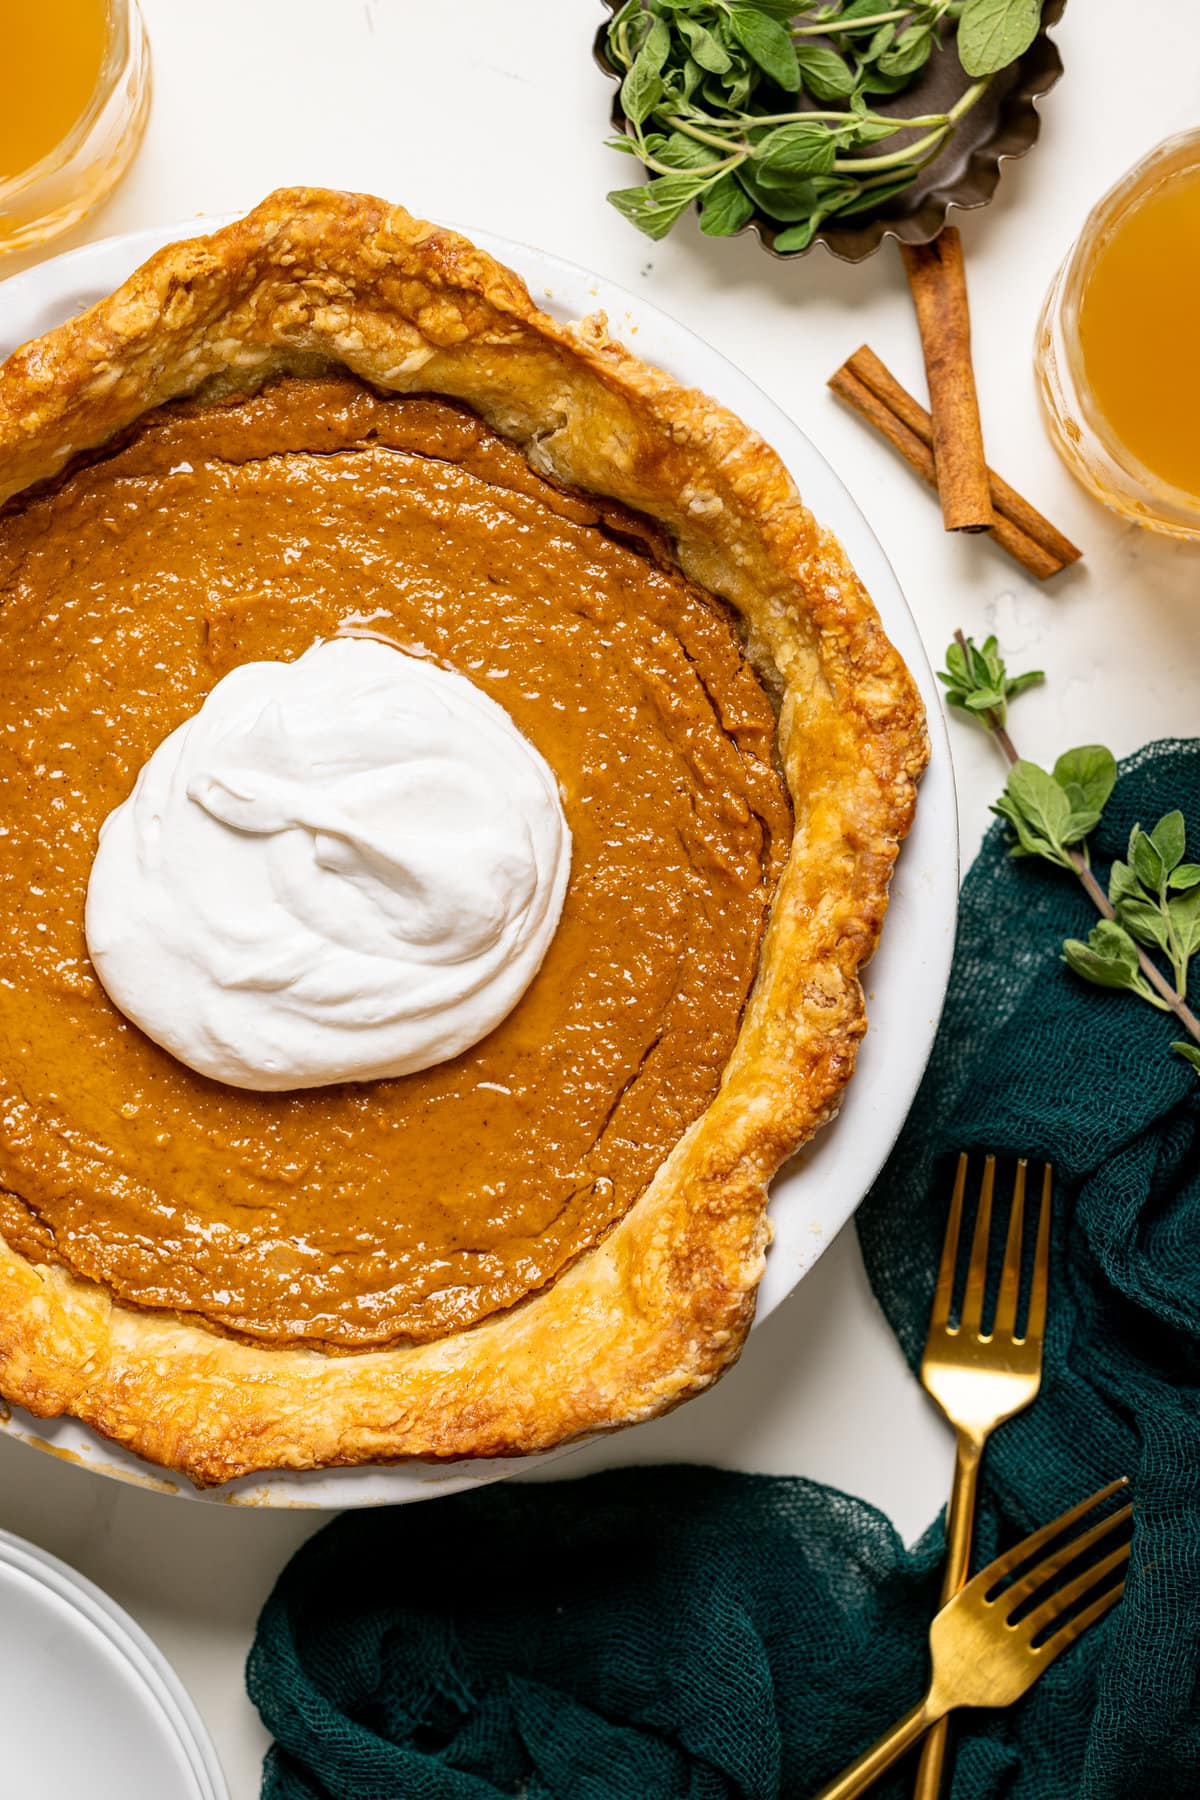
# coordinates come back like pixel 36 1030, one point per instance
pixel 641 89
pixel 800 236
pixel 993 33
pixel 707 49
pixel 725 209
pixel 1169 838
pixel 873 82
pixel 769 43
pixel 874 131
pixel 906 174
pixel 975 673
pixel 1144 920
pixel 792 199
pixel 1029 842
pixel 1040 799
pixel 806 148
pixel 1147 863
pixel 1184 913
pixel 680 152
pixel 1107 959
pixel 1123 884
pixel 1190 1053
pixel 633 14
pixel 655 206
pixel 783 10
pixel 909 53
pixel 1081 822
pixel 989 654
pixel 956 662
pixel 1087 776
pixel 693 75
pixel 825 74
pixel 1187 875
pixel 657 47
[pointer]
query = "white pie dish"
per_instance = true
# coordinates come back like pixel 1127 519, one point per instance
pixel 905 985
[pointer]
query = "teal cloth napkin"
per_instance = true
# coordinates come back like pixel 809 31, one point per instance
pixel 687 1634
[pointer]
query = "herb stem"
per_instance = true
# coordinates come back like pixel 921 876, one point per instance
pixel 714 168
pixel 705 137
pixel 831 26
pixel 1169 999
pixel 923 149
pixel 966 100
pixel 869 118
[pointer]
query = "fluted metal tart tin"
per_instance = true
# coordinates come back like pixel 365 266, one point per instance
pixel 1004 123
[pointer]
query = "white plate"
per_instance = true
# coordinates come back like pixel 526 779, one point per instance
pixel 905 985
pixel 68 1652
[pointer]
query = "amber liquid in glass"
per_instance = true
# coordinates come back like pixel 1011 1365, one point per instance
pixel 51 55
pixel 1139 330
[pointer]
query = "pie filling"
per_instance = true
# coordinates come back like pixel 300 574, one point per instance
pixel 383 1211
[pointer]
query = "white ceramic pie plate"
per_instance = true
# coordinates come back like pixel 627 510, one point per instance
pixel 68 1652
pixel 905 984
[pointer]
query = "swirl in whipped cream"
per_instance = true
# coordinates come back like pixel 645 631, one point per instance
pixel 340 869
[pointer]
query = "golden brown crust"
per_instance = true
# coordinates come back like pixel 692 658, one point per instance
pixel 661 1307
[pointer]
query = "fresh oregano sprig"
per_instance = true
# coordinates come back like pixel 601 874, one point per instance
pixel 763 105
pixel 1155 905
pixel 977 681
pixel 1155 895
pixel 1153 899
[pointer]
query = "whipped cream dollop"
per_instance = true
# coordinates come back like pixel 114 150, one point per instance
pixel 339 869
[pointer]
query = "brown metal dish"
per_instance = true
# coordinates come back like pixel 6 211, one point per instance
pixel 1004 123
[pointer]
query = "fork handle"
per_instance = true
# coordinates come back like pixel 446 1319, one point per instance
pixel 960 1526
pixel 960 1514
pixel 868 1767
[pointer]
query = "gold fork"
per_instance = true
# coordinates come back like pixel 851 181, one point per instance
pixel 996 1636
pixel 980 1378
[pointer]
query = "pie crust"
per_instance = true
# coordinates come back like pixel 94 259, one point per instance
pixel 314 279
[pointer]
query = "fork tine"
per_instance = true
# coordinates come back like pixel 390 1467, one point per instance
pixel 1075 1628
pixel 1035 1324
pixel 1005 1322
pixel 940 1316
pixel 972 1306
pixel 986 1582
pixel 1059 1559
pixel 1053 1608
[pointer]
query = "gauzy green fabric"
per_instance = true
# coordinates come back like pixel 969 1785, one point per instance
pixel 688 1634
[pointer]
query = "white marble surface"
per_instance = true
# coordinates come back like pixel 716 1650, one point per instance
pixel 481 112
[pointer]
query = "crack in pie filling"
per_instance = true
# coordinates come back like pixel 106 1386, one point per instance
pixel 332 422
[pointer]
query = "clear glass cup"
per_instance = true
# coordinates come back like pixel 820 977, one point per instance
pixel 1080 432
pixel 55 193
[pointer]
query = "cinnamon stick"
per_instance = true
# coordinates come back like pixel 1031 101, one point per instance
pixel 1018 527
pixel 939 289
pixel 1006 502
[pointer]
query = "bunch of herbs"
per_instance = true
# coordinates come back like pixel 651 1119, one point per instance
pixel 1153 898
pixel 760 105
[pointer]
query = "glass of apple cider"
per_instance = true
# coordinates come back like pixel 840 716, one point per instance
pixel 74 95
pixel 1118 344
